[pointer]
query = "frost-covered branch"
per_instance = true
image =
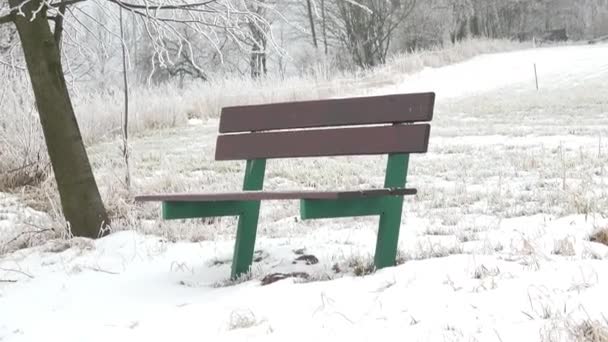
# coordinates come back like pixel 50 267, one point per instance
pixel 150 5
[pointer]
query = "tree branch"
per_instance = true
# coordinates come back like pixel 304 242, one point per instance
pixel 9 18
pixel 161 7
pixel 66 3
pixel 17 271
pixel 59 26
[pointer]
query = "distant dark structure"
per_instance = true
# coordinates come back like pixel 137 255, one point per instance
pixel 559 35
pixel 599 39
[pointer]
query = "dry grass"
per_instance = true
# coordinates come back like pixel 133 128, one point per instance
pixel 22 147
pixel 600 236
pixel 567 329
pixel 590 331
pixel 461 179
pixel 30 228
pixel 242 319
pixel 564 247
pixel 357 265
pixel 482 272
pixel 27 176
pixel 99 111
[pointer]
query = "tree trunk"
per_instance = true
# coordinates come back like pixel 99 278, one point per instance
pixel 82 206
pixel 257 60
pixel 312 24
pixel 324 25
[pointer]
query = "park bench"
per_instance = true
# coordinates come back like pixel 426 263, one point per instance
pixel 336 127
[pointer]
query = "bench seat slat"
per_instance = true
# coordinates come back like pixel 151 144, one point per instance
pixel 274 195
pixel 324 142
pixel 331 112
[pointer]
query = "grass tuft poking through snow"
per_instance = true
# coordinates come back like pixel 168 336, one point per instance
pixel 590 331
pixel 242 319
pixel 564 247
pixel 600 236
pixel 358 265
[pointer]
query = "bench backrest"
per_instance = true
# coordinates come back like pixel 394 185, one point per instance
pixel 303 129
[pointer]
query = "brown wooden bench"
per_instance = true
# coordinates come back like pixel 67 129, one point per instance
pixel 336 127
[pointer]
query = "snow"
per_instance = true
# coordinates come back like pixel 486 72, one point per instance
pixel 557 67
pixel 134 287
pixel 16 218
pixel 495 245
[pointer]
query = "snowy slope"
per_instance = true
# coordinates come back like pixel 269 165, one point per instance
pixel 495 245
pixel 557 67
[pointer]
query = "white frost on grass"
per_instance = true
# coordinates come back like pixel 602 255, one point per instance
pixel 495 245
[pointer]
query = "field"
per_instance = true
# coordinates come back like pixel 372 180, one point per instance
pixel 502 243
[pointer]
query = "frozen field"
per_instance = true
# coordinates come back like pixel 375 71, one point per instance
pixel 495 246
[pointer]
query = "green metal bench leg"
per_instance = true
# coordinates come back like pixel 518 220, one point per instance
pixel 248 219
pixel 390 219
pixel 388 233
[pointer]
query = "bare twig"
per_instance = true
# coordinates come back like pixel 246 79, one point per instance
pixel 36 232
pixel 66 3
pixel 12 65
pixel 20 167
pixel 162 7
pixel 17 271
pixel 59 25
pixel 125 129
pixel 528 315
pixel 97 269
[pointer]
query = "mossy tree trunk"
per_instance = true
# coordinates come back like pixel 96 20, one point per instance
pixel 80 199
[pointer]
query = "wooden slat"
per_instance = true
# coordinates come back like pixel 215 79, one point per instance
pixel 324 113
pixel 266 195
pixel 324 142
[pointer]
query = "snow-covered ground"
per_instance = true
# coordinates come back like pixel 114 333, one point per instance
pixel 19 223
pixel 495 247
pixel 556 67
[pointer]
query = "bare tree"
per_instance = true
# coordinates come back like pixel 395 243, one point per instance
pixel 312 24
pixel 366 27
pixel 258 39
pixel 42 24
pixel 324 25
pixel 185 63
pixel 80 199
